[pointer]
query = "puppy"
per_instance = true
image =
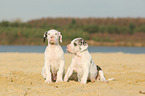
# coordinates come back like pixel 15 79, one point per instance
pixel 82 63
pixel 53 69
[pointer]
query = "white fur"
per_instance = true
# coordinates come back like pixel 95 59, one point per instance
pixel 82 63
pixel 53 57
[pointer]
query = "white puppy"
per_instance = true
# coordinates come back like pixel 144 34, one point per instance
pixel 53 69
pixel 82 63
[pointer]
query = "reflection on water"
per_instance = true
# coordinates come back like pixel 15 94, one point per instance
pixel 41 49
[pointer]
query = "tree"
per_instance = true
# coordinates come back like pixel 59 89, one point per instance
pixel 132 27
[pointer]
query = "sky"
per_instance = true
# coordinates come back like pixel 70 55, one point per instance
pixel 34 9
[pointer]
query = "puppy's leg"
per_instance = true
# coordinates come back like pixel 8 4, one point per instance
pixel 92 76
pixel 93 73
pixel 79 77
pixel 68 73
pixel 43 73
pixel 101 75
pixel 60 72
pixel 85 74
pixel 48 73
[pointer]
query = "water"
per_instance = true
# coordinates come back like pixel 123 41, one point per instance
pixel 41 49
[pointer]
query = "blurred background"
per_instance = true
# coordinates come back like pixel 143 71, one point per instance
pixel 99 22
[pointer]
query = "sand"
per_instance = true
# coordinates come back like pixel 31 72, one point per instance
pixel 20 75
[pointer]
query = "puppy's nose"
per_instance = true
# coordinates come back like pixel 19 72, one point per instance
pixel 51 37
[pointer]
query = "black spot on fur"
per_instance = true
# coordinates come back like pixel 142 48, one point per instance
pixel 81 42
pixel 98 68
pixel 44 37
pixel 75 44
pixel 91 61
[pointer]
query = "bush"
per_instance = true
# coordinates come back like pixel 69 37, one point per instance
pixel 91 29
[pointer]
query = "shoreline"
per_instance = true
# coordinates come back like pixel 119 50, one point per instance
pixel 91 43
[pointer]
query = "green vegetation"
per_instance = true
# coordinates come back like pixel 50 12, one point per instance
pixel 120 31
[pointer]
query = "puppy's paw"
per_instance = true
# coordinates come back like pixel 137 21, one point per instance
pixel 83 81
pixel 104 80
pixel 65 79
pixel 48 81
pixel 57 81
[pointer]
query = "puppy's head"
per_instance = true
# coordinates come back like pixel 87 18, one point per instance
pixel 77 45
pixel 53 36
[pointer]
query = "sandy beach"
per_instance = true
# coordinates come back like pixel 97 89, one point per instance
pixel 20 75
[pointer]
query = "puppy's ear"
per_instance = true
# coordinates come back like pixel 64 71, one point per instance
pixel 45 35
pixel 60 37
pixel 83 46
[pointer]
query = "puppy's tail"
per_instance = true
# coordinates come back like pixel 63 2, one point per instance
pixel 111 79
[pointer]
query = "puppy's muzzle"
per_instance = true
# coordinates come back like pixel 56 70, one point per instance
pixel 52 39
pixel 68 48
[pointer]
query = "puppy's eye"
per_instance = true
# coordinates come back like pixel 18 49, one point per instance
pixel 75 44
pixel 48 33
pixel 55 33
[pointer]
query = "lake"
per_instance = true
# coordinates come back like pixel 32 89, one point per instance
pixel 41 49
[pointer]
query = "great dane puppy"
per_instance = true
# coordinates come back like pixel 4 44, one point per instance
pixel 53 69
pixel 82 63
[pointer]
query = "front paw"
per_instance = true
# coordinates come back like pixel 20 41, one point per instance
pixel 65 79
pixel 83 81
pixel 48 81
pixel 57 81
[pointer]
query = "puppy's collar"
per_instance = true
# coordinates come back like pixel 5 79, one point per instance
pixel 79 53
pixel 84 50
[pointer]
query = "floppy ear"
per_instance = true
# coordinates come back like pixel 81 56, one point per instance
pixel 83 46
pixel 45 35
pixel 60 37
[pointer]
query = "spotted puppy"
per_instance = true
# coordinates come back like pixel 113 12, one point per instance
pixel 53 69
pixel 82 63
